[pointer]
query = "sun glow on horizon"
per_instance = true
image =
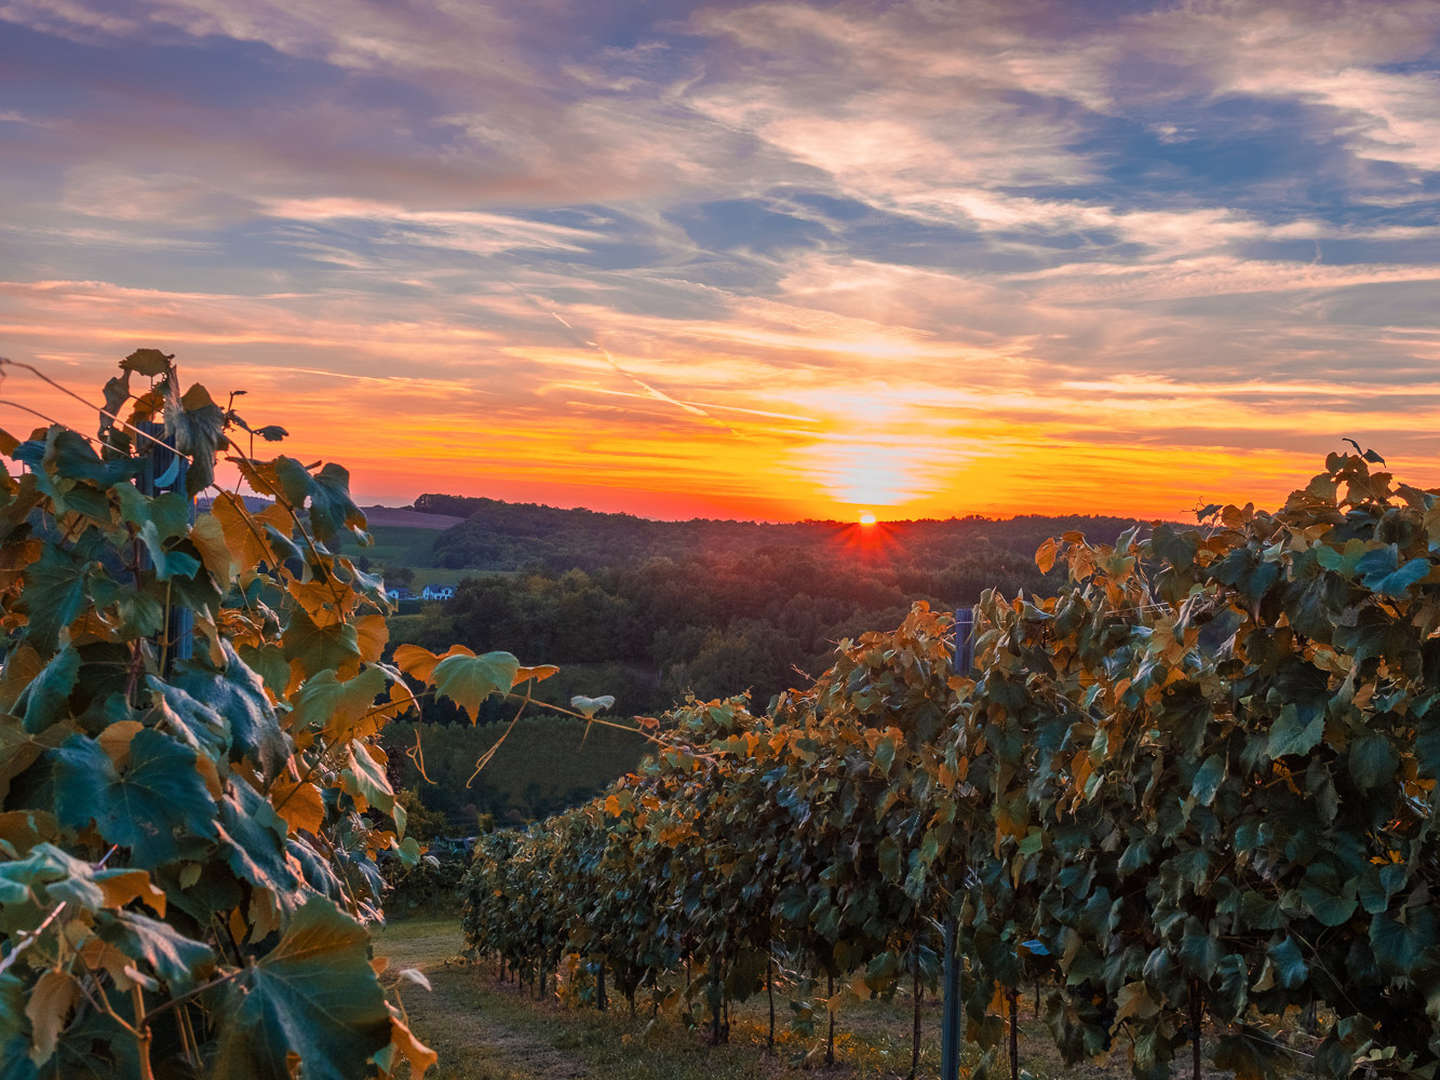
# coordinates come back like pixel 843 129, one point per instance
pixel 867 518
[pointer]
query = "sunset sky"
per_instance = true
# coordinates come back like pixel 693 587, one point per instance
pixel 775 260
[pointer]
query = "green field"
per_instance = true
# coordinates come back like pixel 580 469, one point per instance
pixel 545 764
pixel 400 545
pixel 412 547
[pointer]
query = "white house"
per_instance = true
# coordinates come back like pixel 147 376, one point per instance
pixel 438 592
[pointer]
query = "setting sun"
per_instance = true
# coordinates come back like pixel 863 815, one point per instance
pixel 867 518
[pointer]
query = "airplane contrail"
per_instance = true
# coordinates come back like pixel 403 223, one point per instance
pixel 652 391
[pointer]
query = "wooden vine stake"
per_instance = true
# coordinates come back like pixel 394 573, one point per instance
pixel 915 1032
pixel 770 993
pixel 830 1007
pixel 1197 1017
pixel 1013 996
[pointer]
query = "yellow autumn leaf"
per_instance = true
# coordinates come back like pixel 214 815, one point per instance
pixel 23 829
pixel 419 663
pixel 244 536
pixel 1134 1000
pixel 372 633
pixel 208 536
pixel 1045 555
pixel 539 673
pixel 97 953
pixel 420 1056
pixel 324 601
pixel 115 740
pixel 120 888
pixel 301 805
pixel 51 999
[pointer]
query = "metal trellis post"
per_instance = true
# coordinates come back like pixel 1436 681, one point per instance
pixel 950 1024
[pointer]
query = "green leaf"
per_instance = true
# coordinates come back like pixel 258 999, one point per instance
pixel 1400 948
pixel 1208 779
pixel 408 850
pixel 199 725
pixel 167 563
pixel 469 680
pixel 929 847
pixel 43 701
pixel 1177 549
pixel 1396 583
pixel 270 664
pixel 1199 950
pixel 1342 562
pixel 324 703
pixel 1289 966
pixel 141 613
pixel 159 793
pixel 318 648
pixel 253 835
pixel 885 754
pixel 237 694
pixel 1252 1055
pixel 1372 761
pixel 313 995
pixel 366 778
pixel 178 960
pixel 55 591
pixel 15 1063
pixel 589 706
pixel 197 426
pixel 888 853
pixel 69 456
pixel 1380 569
pixel 171 514
pixel 1234 985
pixel 1330 908
pixel 332 511
pixel 26 884
pixel 1293 735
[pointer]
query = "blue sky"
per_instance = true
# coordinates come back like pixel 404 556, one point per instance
pixel 776 259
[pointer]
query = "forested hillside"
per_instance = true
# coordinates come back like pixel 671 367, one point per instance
pixel 667 608
pixel 651 611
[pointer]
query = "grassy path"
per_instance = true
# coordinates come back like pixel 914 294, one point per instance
pixel 483 1030
pixel 477 1032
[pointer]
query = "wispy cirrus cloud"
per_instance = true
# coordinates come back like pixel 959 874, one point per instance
pixel 773 259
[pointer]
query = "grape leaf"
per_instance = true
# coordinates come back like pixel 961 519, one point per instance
pixel 148 362
pixel 469 680
pixel 55 591
pixel 173 957
pixel 237 694
pixel 314 995
pixel 43 700
pixel 159 792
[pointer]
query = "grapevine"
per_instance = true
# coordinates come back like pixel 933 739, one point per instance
pixel 191 808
